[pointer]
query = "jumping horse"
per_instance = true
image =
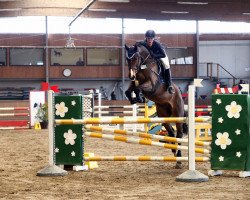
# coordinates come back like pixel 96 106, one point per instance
pixel 146 77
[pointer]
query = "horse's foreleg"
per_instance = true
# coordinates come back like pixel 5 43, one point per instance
pixel 137 94
pixel 129 91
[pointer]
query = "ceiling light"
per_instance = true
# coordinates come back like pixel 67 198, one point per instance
pixel 101 10
pixel 192 3
pixel 174 12
pixel 246 13
pixel 115 1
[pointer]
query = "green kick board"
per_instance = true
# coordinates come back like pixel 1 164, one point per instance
pixel 230 132
pixel 68 138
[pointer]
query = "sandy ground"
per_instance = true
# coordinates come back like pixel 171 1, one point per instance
pixel 25 152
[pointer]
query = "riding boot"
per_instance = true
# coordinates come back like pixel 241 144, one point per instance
pixel 168 81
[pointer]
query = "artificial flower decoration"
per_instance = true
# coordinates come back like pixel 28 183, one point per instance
pixel 61 109
pixel 218 101
pixel 69 137
pixel 223 140
pixel 221 158
pixel 237 132
pixel 233 110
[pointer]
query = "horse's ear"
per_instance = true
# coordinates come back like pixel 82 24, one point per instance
pixel 126 47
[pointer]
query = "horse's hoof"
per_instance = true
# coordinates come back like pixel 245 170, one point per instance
pixel 178 166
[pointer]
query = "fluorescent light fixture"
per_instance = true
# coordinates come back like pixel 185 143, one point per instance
pixel 192 3
pixel 115 1
pixel 101 10
pixel 10 9
pixel 174 12
pixel 246 13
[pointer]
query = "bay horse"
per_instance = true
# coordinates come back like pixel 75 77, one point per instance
pixel 145 75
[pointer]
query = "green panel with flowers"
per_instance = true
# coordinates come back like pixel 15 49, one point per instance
pixel 68 138
pixel 230 132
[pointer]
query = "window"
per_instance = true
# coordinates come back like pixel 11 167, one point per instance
pixel 180 56
pixel 25 57
pixel 102 56
pixel 71 56
pixel 2 57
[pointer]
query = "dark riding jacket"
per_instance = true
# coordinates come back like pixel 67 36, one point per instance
pixel 156 50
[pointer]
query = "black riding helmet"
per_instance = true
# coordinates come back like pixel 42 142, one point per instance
pixel 150 34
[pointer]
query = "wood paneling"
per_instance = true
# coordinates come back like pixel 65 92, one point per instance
pixel 87 72
pixel 85 40
pixel 22 72
pixel 22 40
pixel 183 71
pixel 214 37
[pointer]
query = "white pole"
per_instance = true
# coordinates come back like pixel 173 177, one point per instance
pixel 191 127
pixel 50 127
pixel 99 104
pixel 134 115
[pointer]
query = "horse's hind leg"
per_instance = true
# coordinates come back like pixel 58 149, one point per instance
pixel 179 134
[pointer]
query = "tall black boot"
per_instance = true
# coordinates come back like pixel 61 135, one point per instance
pixel 168 81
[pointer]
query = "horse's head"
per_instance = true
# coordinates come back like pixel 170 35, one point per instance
pixel 137 56
pixel 134 60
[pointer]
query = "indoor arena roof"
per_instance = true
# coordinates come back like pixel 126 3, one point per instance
pixel 223 10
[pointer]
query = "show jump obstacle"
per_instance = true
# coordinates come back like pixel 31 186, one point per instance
pixel 67 120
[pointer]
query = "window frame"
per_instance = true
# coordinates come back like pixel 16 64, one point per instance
pixel 75 65
pixel 5 57
pixel 108 64
pixel 10 64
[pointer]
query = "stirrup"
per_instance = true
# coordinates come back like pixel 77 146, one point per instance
pixel 171 89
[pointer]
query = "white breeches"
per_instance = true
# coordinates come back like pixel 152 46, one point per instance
pixel 165 62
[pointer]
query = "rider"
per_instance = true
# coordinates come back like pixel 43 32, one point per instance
pixel 157 51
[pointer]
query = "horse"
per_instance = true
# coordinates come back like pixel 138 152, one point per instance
pixel 146 77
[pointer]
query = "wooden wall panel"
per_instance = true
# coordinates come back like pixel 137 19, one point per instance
pixel 214 37
pixel 25 72
pixel 86 39
pixel 183 71
pixel 22 40
pixel 87 72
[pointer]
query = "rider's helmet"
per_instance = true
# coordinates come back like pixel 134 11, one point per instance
pixel 150 34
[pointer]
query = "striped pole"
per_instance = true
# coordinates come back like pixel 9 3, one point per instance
pixel 143 142
pixel 143 158
pixel 143 135
pixel 14 114
pixel 203 109
pixel 14 108
pixel 117 106
pixel 128 120
pixel 13 128
pixel 114 111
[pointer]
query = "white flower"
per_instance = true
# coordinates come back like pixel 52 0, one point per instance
pixel 69 137
pixel 238 154
pixel 233 110
pixel 223 140
pixel 218 101
pixel 61 109
pixel 56 150
pixel 73 154
pixel 220 120
pixel 73 103
pixel 237 132
pixel 221 158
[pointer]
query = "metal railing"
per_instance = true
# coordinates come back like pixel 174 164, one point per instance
pixel 215 71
